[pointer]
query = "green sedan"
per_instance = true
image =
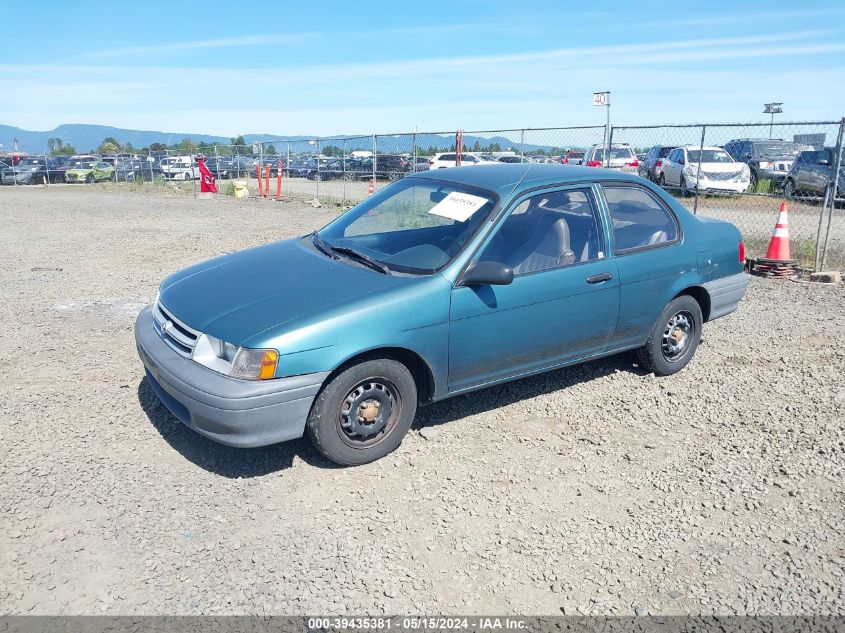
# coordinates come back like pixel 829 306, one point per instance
pixel 90 171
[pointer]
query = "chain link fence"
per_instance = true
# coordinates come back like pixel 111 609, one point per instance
pixel 744 172
pixel 736 172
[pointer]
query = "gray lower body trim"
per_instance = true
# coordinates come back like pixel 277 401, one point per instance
pixel 233 412
pixel 725 294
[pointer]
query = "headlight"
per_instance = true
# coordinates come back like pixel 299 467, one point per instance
pixel 234 361
pixel 255 364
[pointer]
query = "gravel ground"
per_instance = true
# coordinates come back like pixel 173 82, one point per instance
pixel 596 489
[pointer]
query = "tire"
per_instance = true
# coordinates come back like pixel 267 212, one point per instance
pixel 662 181
pixel 674 338
pixel 789 189
pixel 683 185
pixel 394 175
pixel 89 179
pixel 187 177
pixel 752 184
pixel 369 387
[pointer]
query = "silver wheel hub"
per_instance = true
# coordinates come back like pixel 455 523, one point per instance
pixel 676 336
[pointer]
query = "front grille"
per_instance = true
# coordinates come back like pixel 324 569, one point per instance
pixel 174 332
pixel 721 176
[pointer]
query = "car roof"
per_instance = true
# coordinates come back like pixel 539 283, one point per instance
pixel 506 177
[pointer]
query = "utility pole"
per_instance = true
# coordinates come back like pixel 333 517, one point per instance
pixel 603 99
pixel 773 109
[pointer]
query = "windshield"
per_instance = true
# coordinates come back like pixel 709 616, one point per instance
pixel 85 164
pixel 30 162
pixel 620 153
pixel 413 225
pixel 776 149
pixel 709 156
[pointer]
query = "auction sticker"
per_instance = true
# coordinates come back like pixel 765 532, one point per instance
pixel 458 206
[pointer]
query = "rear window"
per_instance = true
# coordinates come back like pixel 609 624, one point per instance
pixel 447 157
pixel 616 153
pixel 639 219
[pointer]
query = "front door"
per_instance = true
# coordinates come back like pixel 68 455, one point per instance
pixel 563 302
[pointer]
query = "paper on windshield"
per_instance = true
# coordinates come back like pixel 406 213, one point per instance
pixel 458 206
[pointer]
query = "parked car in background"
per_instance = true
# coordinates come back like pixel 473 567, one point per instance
pixel 449 159
pixel 769 159
pixel 225 167
pixel 89 172
pixel 33 170
pixel 180 168
pixel 652 164
pixel 420 163
pixel 621 157
pixel 136 170
pixel 707 169
pixel 573 157
pixel 399 305
pixel 812 175
pixel 513 159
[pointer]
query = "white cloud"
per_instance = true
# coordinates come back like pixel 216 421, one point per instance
pixel 223 42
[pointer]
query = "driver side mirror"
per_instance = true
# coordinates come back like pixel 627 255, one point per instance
pixel 824 161
pixel 486 273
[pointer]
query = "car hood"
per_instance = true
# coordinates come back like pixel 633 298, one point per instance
pixel 237 296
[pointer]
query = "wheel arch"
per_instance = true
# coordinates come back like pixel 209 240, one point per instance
pixel 420 370
pixel 701 296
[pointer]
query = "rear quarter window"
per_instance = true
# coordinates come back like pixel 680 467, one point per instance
pixel 640 221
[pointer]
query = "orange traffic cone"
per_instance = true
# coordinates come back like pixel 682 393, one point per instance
pixel 779 244
pixel 372 188
pixel 778 261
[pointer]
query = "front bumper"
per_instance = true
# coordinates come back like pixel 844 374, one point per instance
pixel 773 174
pixel 719 186
pixel 725 294
pixel 234 412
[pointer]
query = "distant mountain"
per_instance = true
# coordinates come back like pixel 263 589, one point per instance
pixel 88 137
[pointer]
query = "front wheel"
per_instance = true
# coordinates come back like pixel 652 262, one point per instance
pixel 789 189
pixel 673 340
pixel 363 413
pixel 90 179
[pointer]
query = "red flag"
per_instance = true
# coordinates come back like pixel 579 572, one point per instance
pixel 206 178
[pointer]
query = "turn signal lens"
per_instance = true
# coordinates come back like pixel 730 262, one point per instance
pixel 741 252
pixel 255 364
pixel 268 365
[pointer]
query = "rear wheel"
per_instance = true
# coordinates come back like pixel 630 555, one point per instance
pixel 363 413
pixel 673 340
pixel 684 188
pixel 90 179
pixel 662 181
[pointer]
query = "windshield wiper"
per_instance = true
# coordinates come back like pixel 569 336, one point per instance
pixel 321 245
pixel 360 257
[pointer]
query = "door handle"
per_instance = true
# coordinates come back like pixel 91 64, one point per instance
pixel 597 279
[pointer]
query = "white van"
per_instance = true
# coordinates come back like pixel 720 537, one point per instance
pixel 180 168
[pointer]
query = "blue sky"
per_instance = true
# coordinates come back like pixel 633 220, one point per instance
pixel 360 67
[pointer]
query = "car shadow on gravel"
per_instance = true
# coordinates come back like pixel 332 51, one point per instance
pixel 511 393
pixel 225 461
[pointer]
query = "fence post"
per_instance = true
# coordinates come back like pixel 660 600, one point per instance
pixel 343 175
pixel 317 179
pixel 414 142
pixel 375 150
pixel 193 174
pixel 830 198
pixel 608 145
pixel 698 171
pixel 522 143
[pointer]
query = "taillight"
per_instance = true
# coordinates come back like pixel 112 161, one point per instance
pixel 633 163
pixel 658 163
pixel 593 163
pixel 741 252
pixel 431 163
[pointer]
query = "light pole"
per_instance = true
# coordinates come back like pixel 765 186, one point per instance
pixel 773 109
pixel 603 99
